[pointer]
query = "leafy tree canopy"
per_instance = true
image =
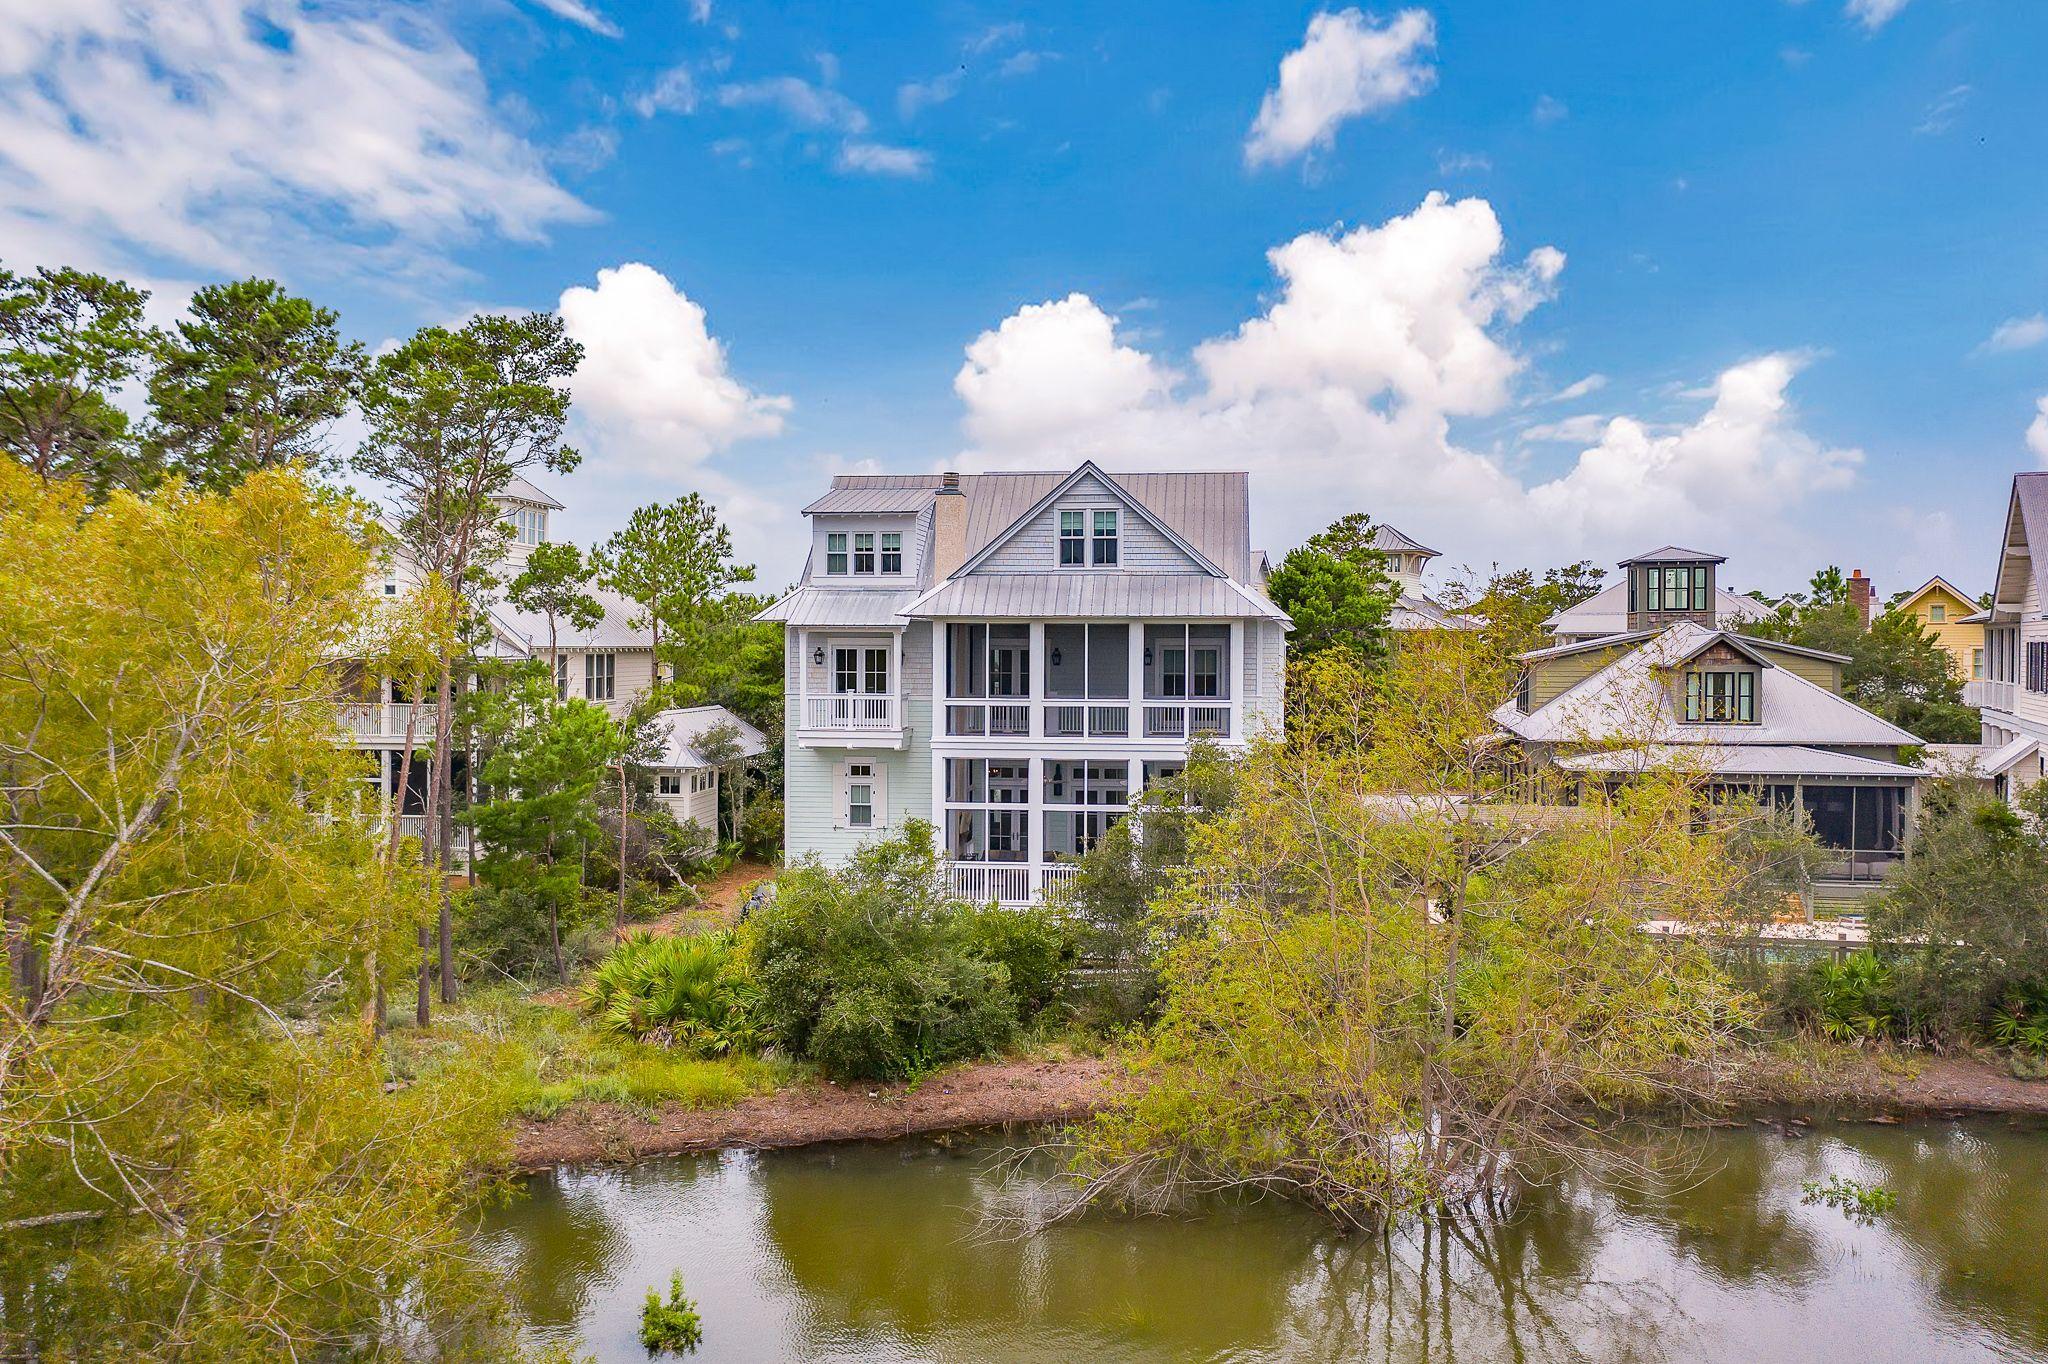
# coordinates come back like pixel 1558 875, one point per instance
pixel 1335 587
pixel 68 339
pixel 250 379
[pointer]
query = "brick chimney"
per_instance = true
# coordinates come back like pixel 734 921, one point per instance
pixel 949 527
pixel 1861 590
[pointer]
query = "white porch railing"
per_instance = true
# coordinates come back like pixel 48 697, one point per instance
pixel 1985 694
pixel 1008 883
pixel 367 720
pixel 985 881
pixel 1182 722
pixel 852 711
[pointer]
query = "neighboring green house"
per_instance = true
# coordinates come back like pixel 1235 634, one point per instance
pixel 1676 684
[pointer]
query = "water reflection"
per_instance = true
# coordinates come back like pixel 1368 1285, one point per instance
pixel 1705 1253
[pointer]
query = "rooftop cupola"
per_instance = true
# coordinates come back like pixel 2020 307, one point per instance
pixel 1669 585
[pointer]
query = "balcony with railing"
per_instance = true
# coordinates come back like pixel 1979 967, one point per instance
pixel 1985 694
pixel 379 722
pixel 851 720
pixel 1008 883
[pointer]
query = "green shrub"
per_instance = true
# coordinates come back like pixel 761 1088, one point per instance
pixel 1851 1000
pixel 687 991
pixel 1036 945
pixel 670 1326
pixel 503 930
pixel 872 970
pixel 761 835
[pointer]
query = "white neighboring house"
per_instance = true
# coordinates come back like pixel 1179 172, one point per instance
pixel 1013 656
pixel 1407 560
pixel 2012 695
pixel 686 781
pixel 612 664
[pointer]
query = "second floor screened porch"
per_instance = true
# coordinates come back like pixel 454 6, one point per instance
pixel 1123 680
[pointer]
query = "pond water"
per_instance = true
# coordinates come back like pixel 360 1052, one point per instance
pixel 883 1252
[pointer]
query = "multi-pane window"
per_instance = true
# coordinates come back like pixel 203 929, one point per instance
pixel 1721 696
pixel 985 816
pixel 1073 539
pixel 529 525
pixel 1098 793
pixel 892 551
pixel 669 783
pixel 561 677
pixel 864 552
pixel 598 676
pixel 1183 661
pixel 860 795
pixel 835 552
pixel 1977 663
pixel 1105 539
pixel 845 670
pixel 875 670
pixel 988 660
pixel 1936 613
pixel 2037 666
pixel 1675 587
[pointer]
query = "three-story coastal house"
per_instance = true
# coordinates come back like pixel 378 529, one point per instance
pixel 1014 656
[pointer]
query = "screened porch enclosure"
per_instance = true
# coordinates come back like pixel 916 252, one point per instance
pixel 1079 680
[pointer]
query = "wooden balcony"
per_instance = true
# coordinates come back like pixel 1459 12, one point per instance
pixel 851 720
pixel 1985 694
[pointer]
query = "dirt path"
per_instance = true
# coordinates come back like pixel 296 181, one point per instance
pixel 967 1096
pixel 1000 1093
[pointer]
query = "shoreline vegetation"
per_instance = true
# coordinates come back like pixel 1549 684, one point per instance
pixel 1790 1083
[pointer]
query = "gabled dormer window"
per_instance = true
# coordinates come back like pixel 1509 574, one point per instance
pixel 1105 539
pixel 529 525
pixel 835 552
pixel 1073 539
pixel 1721 697
pixel 892 551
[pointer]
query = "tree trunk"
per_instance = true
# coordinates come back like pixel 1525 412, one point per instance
pixel 621 926
pixel 555 941
pixel 423 1011
pixel 373 1007
pixel 443 821
pixel 412 721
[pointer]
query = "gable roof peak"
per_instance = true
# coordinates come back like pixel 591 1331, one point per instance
pixel 1675 554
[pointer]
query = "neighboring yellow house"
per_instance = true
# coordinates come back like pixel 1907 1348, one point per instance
pixel 1944 612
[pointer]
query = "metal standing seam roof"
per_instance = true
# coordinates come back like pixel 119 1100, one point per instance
pixel 2030 501
pixel 881 608
pixel 519 490
pixel 1625 700
pixel 1420 613
pixel 879 501
pixel 1210 510
pixel 1606 611
pixel 1675 554
pixel 1772 760
pixel 1087 596
pixel 1388 540
pixel 615 631
pixel 680 730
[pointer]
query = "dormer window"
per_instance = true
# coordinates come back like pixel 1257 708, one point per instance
pixel 1720 697
pixel 1105 539
pixel 1073 539
pixel 835 552
pixel 1673 587
pixel 529 525
pixel 892 551
pixel 864 552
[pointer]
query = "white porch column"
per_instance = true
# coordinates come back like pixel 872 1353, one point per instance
pixel 803 677
pixel 1233 678
pixel 1033 688
pixel 1137 687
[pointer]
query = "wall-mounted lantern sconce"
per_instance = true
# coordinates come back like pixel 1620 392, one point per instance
pixel 1055 658
pixel 818 656
pixel 1148 655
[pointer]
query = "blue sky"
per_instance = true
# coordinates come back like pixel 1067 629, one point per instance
pixel 1767 277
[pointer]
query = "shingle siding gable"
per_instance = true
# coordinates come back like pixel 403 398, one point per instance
pixel 1034 546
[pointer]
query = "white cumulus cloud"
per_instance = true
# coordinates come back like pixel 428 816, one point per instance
pixel 2017 333
pixel 655 389
pixel 210 132
pixel 1346 66
pixel 1342 394
pixel 1873 14
pixel 581 15
pixel 880 158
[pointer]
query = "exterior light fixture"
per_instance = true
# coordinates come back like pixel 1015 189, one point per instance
pixel 1148 655
pixel 1055 657
pixel 818 655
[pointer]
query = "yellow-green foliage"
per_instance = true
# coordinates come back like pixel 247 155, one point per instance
pixel 550 1058
pixel 1389 974
pixel 184 1090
